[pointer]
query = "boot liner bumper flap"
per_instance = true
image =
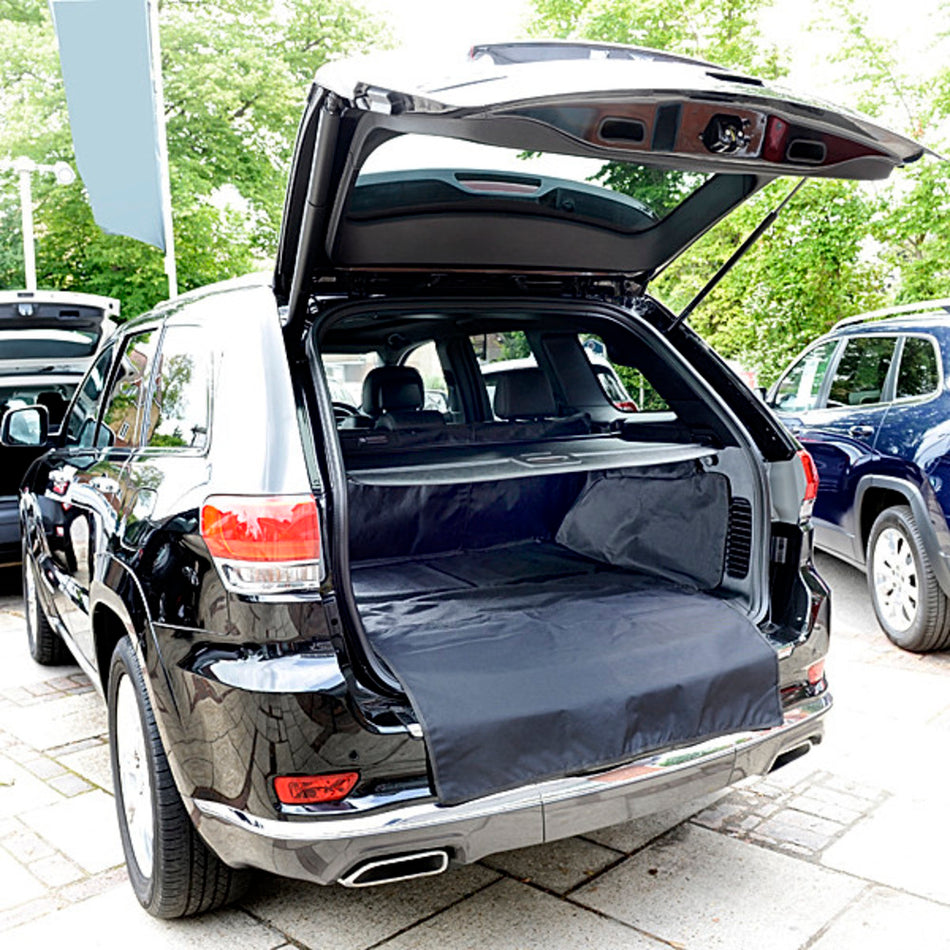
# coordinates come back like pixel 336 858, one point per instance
pixel 536 677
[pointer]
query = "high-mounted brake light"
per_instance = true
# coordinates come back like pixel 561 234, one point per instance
pixel 811 483
pixel 314 789
pixel 263 543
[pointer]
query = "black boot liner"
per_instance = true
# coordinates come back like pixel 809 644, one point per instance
pixel 526 661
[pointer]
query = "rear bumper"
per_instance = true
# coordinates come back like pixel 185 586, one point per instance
pixel 326 849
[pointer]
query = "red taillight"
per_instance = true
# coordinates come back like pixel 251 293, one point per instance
pixel 313 789
pixel 811 475
pixel 278 528
pixel 816 672
pixel 628 405
pixel 811 484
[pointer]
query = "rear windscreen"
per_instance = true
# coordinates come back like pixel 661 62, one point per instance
pixel 55 396
pixel 47 344
pixel 420 174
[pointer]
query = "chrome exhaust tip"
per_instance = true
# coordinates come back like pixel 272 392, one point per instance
pixel 403 868
pixel 790 755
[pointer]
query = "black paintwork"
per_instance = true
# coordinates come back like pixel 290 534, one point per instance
pixel 248 688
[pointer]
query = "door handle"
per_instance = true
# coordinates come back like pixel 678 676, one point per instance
pixel 861 432
pixel 104 484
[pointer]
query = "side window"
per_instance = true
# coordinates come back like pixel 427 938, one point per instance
pixel 81 425
pixel 798 391
pixel 426 360
pixel 121 420
pixel 178 413
pixel 918 375
pixel 625 387
pixel 862 371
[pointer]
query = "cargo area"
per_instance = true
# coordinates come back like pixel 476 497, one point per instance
pixel 555 539
pixel 548 625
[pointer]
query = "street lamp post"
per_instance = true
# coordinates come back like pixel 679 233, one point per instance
pixel 25 167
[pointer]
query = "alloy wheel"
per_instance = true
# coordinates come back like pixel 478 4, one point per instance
pixel 896 580
pixel 134 776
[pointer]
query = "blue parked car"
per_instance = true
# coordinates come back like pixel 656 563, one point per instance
pixel 870 402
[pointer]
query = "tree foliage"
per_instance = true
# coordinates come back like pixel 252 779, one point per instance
pixel 838 247
pixel 236 74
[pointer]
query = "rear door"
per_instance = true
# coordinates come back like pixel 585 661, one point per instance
pixel 852 395
pixel 86 481
pixel 727 132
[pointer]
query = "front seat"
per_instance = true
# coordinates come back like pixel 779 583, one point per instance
pixel 393 396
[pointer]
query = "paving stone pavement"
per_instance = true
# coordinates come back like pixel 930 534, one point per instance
pixel 844 847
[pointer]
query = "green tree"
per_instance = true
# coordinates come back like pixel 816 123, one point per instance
pixel 816 263
pixel 724 32
pixel 236 74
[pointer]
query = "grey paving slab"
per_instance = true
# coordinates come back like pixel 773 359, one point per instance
pixel 512 916
pixel 114 921
pixel 21 790
pixel 92 764
pixel 701 889
pixel 557 866
pixel 633 835
pixel 84 828
pixel 61 721
pixel 19 886
pixel 343 919
pixel 884 919
pixel 904 844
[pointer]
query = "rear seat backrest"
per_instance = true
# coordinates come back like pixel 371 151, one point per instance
pixel 523 394
pixel 394 397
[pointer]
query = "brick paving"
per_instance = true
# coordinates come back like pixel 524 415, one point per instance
pixel 842 848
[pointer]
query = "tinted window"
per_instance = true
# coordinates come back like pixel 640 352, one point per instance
pixel 799 388
pixel 625 386
pixel 178 414
pixel 426 360
pixel 80 430
pixel 862 371
pixel 121 420
pixel 919 375
pixel 55 396
pixel 47 344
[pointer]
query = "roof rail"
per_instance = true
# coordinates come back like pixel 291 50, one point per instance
pixel 922 307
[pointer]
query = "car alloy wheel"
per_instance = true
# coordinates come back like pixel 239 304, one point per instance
pixel 910 605
pixel 46 645
pixel 134 778
pixel 172 871
pixel 895 579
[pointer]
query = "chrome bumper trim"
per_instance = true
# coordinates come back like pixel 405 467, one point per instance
pixel 326 848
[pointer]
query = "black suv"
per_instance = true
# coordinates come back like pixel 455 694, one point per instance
pixel 870 401
pixel 358 641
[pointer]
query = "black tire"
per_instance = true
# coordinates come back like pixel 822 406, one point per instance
pixel 910 605
pixel 46 645
pixel 183 876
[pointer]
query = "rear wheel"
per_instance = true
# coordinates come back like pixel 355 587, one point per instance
pixel 46 645
pixel 910 606
pixel 172 871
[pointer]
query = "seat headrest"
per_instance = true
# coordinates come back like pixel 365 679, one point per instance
pixel 523 394
pixel 392 389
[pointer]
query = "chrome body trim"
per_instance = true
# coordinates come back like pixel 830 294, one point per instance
pixel 329 849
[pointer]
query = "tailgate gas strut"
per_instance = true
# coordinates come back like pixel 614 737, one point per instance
pixel 739 252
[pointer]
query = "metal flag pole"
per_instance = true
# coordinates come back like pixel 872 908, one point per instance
pixel 171 269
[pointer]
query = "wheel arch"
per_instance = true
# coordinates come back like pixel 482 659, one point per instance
pixel 110 623
pixel 877 493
